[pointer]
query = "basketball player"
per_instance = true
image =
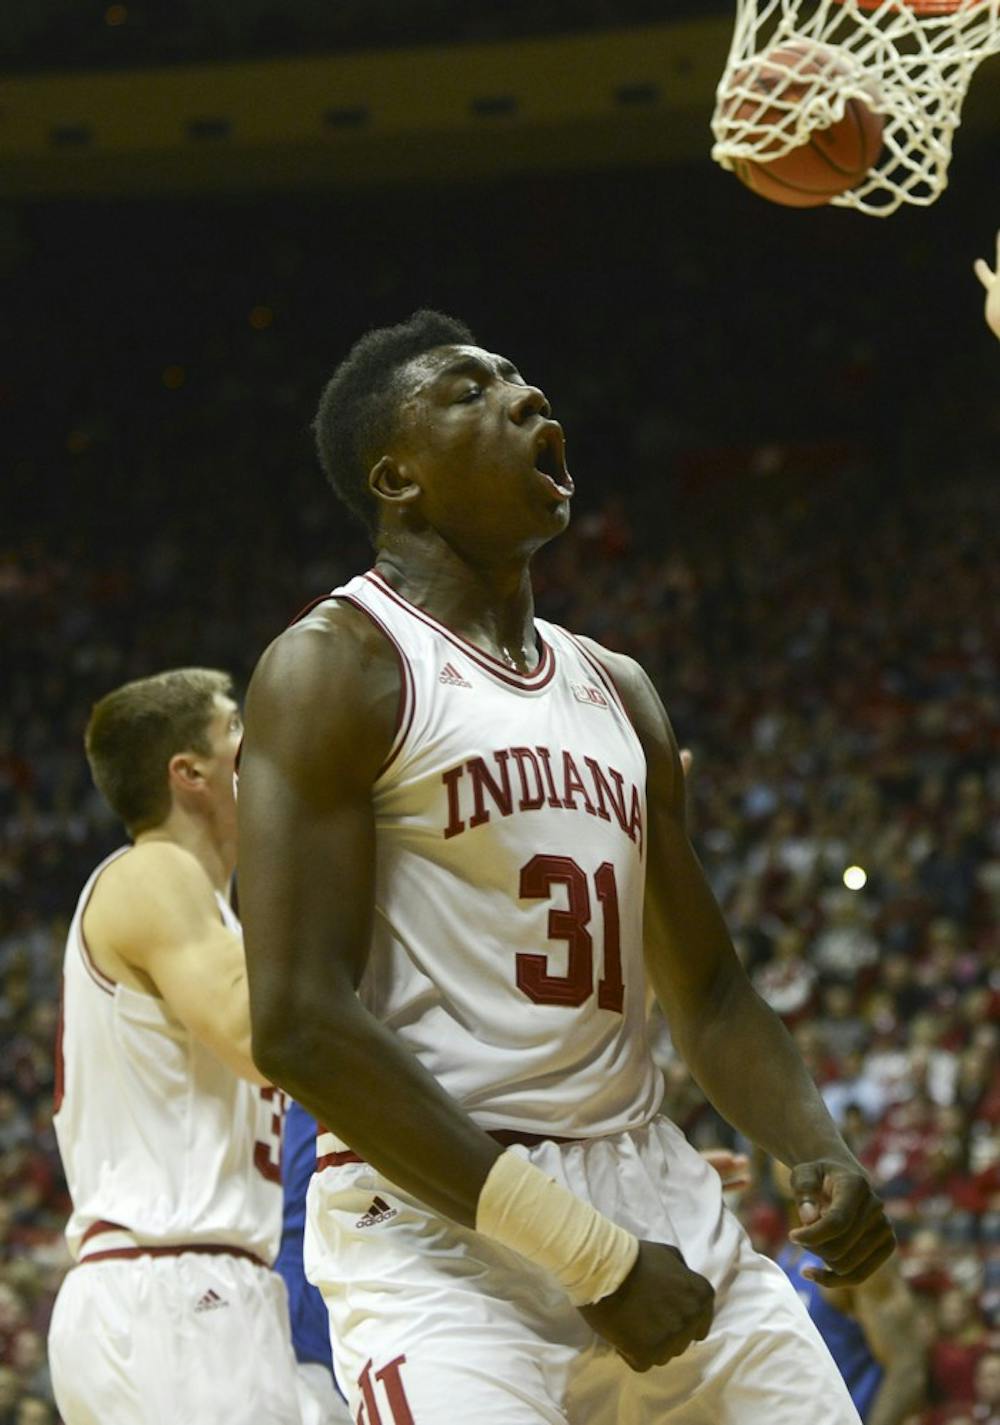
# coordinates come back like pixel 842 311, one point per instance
pixel 169 1135
pixel 463 860
pixel 307 1313
pixel 991 281
pixel 872 1331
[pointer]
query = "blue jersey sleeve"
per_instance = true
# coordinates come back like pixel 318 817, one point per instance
pixel 844 1338
pixel 310 1327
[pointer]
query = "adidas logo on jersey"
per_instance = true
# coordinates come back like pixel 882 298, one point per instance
pixel 452 677
pixel 588 693
pixel 211 1301
pixel 380 1211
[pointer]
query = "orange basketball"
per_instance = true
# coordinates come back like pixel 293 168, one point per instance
pixel 832 160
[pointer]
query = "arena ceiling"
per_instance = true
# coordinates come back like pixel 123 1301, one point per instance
pixel 640 95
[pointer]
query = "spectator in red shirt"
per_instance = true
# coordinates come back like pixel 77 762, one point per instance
pixel 962 1339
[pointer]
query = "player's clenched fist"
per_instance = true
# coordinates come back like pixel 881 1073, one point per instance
pixel 659 1309
pixel 842 1221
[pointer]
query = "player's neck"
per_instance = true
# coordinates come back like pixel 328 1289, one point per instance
pixel 490 604
pixel 212 850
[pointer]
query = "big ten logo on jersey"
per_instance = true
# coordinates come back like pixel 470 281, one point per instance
pixel 383 1395
pixel 589 693
pixel 271 1109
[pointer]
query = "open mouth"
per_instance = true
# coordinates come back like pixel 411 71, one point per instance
pixel 550 459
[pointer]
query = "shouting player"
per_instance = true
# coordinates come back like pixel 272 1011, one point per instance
pixel 463 866
pixel 169 1135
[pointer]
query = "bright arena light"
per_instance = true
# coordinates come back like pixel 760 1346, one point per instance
pixel 855 878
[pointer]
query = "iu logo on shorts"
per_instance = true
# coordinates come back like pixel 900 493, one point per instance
pixel 385 1385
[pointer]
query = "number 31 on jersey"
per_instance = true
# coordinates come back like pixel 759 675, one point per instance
pixel 574 988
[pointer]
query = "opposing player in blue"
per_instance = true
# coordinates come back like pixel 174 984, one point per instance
pixel 310 1325
pixel 871 1330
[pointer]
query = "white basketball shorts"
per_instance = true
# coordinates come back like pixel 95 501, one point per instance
pixel 432 1323
pixel 198 1337
pixel 318 1383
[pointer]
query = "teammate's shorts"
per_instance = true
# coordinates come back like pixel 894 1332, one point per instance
pixel 198 1337
pixel 433 1323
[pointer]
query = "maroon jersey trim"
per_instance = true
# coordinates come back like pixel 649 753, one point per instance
pixel 312 604
pixel 209 1249
pixel 406 706
pixel 101 980
pixel 607 678
pixel 504 1136
pixel 529 682
pixel 337 1160
pixel 173 1249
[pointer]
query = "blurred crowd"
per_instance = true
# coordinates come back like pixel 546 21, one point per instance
pixel 846 792
pixel 818 610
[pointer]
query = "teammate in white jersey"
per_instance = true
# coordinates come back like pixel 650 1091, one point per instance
pixel 170 1137
pixel 464 871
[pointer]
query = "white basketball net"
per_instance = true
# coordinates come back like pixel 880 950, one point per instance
pixel 918 61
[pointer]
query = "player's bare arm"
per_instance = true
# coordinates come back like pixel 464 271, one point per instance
pixel 990 278
pixel 735 1046
pixel 320 718
pixel 887 1313
pixel 154 916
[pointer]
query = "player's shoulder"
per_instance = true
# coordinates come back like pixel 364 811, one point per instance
pixel 634 685
pixel 334 638
pixel 625 671
pixel 155 865
pixel 325 694
pixel 141 893
pixel 646 713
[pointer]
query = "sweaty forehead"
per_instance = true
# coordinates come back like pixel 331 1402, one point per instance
pixel 443 361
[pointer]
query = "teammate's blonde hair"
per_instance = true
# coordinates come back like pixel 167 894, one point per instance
pixel 135 730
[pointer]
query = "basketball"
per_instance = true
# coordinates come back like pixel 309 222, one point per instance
pixel 833 159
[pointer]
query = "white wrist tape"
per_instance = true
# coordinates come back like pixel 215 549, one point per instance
pixel 524 1209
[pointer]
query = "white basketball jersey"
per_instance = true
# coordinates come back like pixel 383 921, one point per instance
pixel 510 846
pixel 157 1136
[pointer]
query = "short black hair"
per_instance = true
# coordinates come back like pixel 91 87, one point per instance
pixel 357 410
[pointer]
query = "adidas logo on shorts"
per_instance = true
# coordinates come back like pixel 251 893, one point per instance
pixel 452 677
pixel 380 1211
pixel 211 1301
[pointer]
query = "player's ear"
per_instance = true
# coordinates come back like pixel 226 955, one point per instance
pixel 390 479
pixel 184 771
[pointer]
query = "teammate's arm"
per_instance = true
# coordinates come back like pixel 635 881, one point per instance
pixel 320 716
pixel 991 281
pixel 884 1308
pixel 735 1046
pixel 156 910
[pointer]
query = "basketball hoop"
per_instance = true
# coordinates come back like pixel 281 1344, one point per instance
pixel 919 7
pixel 909 60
